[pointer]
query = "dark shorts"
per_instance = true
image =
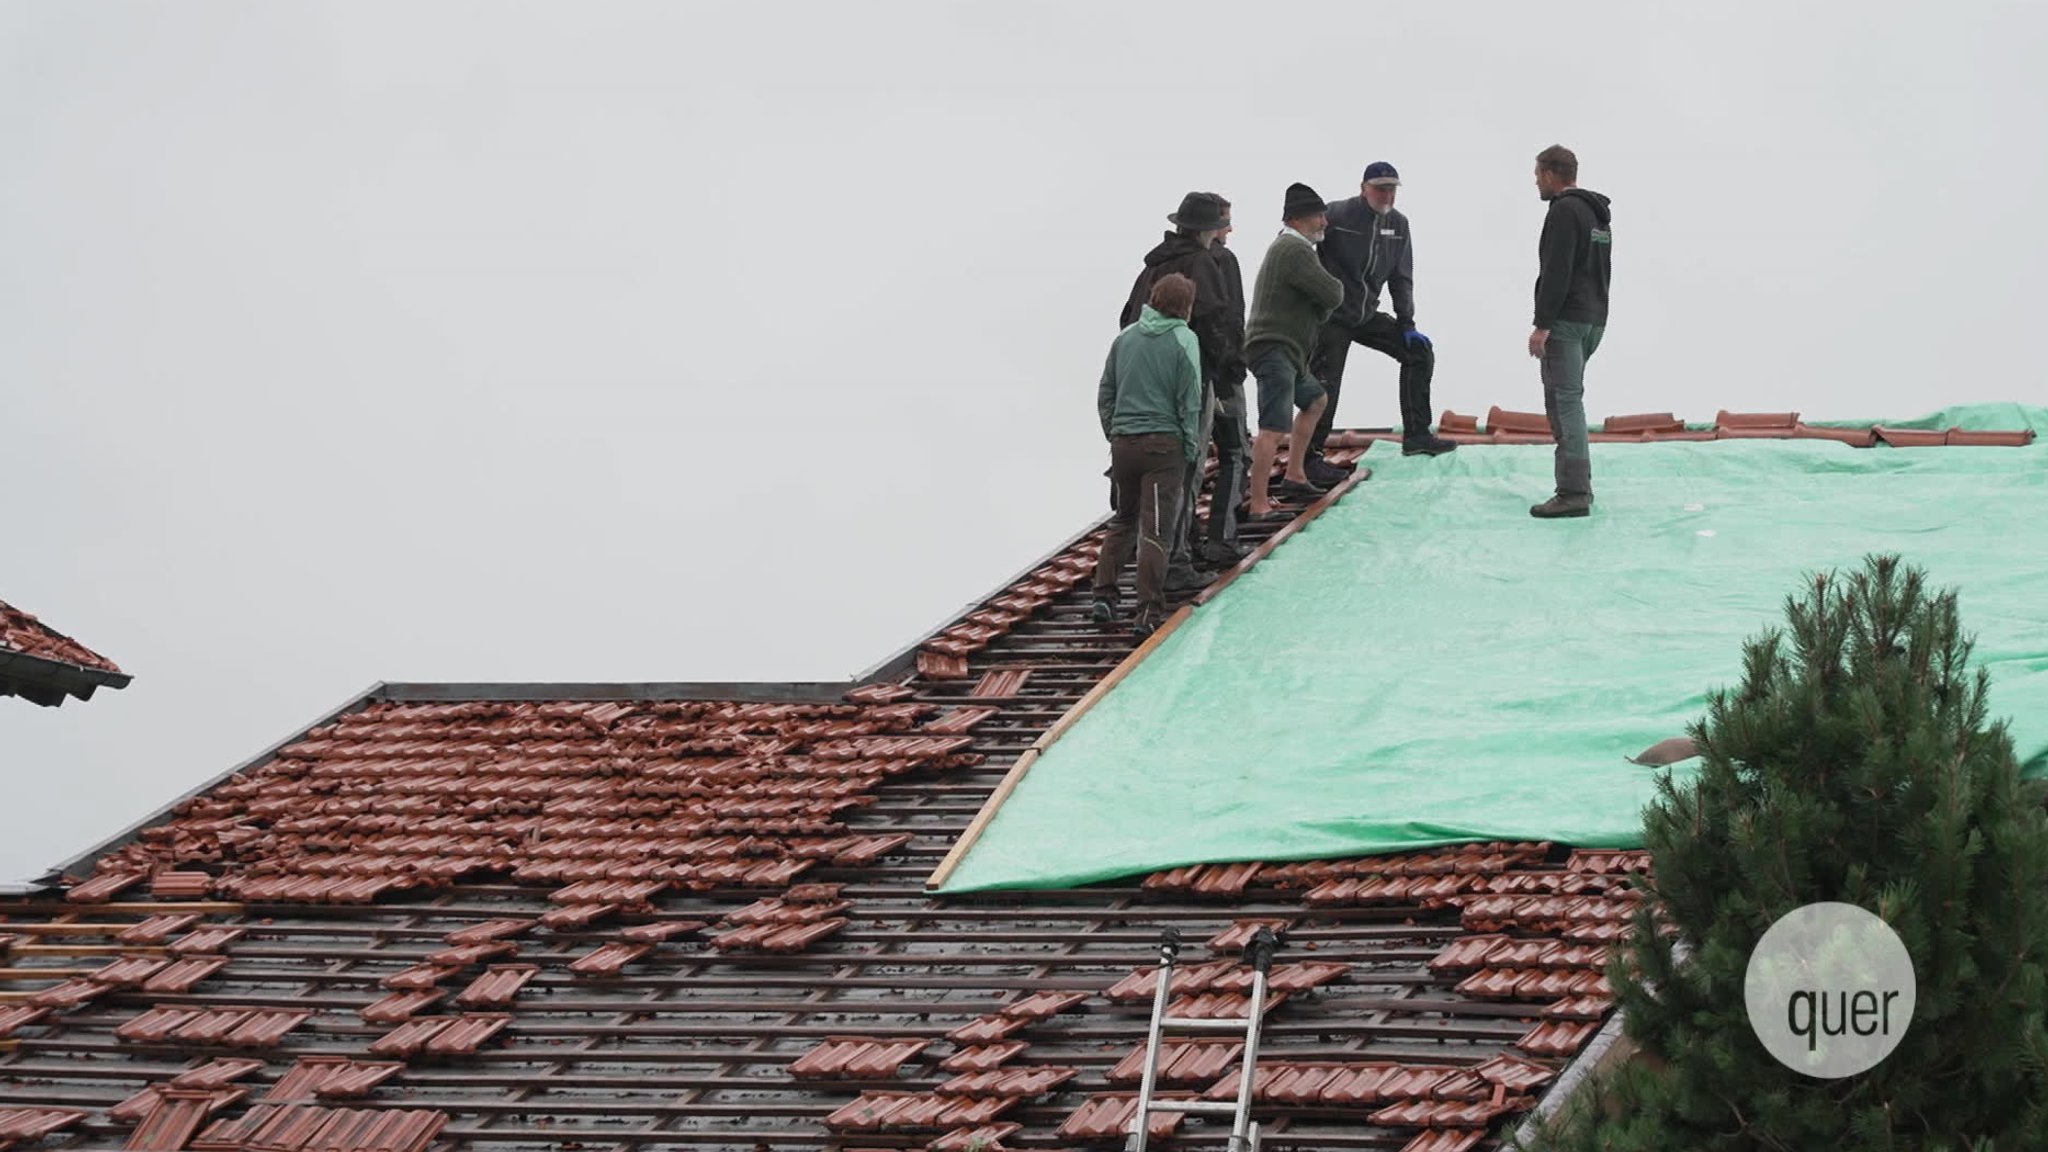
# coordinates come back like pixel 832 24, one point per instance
pixel 1283 388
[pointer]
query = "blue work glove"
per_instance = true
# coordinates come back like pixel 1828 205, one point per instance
pixel 1411 337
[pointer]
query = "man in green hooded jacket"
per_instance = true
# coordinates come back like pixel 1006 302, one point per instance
pixel 1150 402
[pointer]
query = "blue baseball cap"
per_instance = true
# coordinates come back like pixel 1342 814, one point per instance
pixel 1382 173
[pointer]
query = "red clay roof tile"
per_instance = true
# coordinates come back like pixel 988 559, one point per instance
pixel 1180 1062
pixel 1500 420
pixel 1557 1037
pixel 490 930
pixel 1107 1117
pixel 19 1016
pixel 1220 1005
pixel 982 1057
pixel 27 1125
pixel 985 1030
pixel 856 1057
pixel 1647 422
pixel 1514 1073
pixel 1295 977
pixel 1140 986
pixel 158 928
pixel 497 987
pixel 1013 1083
pixel 1756 420
pixel 399 1007
pixel 419 976
pixel 105 886
pixel 216 1074
pixel 209 941
pixel 1580 1007
pixel 128 970
pixel 886 1111
pixel 987 1138
pixel 1001 683
pixel 463 955
pixel 330 1078
pixel 70 994
pixel 1446 1114
pixel 1233 939
pixel 181 977
pixel 609 959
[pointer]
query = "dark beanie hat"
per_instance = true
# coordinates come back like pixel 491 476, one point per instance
pixel 1301 201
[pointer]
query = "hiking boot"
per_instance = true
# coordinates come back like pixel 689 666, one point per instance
pixel 1563 507
pixel 1427 446
pixel 1145 624
pixel 1103 610
pixel 1324 473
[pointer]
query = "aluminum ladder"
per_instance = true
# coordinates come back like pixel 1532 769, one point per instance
pixel 1244 1134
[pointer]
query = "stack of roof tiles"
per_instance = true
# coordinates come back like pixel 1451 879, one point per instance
pixel 1502 426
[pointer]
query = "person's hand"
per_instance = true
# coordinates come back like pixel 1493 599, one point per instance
pixel 1538 339
pixel 1411 337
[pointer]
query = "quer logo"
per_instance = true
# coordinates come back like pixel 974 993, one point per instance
pixel 1830 990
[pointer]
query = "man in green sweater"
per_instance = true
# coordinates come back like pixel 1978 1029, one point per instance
pixel 1290 300
pixel 1150 401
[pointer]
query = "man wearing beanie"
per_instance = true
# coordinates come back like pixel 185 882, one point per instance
pixel 1219 332
pixel 1292 296
pixel 1368 249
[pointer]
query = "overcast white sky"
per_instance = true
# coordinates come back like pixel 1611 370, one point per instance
pixel 695 341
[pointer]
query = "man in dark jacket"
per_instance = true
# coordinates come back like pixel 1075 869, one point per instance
pixel 1368 248
pixel 1231 435
pixel 1576 253
pixel 1291 298
pixel 1218 331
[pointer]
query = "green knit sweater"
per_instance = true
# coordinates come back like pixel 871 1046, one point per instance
pixel 1292 297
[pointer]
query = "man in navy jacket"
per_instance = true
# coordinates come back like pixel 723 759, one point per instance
pixel 1368 248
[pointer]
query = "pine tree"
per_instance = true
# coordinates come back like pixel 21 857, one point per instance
pixel 1854 762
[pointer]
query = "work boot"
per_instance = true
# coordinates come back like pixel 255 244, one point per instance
pixel 1562 507
pixel 1145 624
pixel 1223 555
pixel 1182 578
pixel 1324 473
pixel 1103 610
pixel 1427 446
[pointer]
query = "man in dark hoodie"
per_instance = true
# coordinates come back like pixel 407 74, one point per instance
pixel 1368 249
pixel 1576 253
pixel 1219 332
pixel 1232 435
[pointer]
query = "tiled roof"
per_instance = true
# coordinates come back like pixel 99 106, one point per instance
pixel 621 917
pixel 42 665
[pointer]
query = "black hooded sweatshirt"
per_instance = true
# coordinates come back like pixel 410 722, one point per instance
pixel 1218 325
pixel 1576 254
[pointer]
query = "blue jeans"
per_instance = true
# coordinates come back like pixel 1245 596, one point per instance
pixel 1570 345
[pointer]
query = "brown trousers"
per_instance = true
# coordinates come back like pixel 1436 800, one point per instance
pixel 1147 471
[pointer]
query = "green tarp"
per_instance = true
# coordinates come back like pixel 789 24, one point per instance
pixel 1424 664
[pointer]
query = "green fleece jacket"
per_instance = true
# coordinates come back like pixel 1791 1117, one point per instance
pixel 1292 297
pixel 1152 382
